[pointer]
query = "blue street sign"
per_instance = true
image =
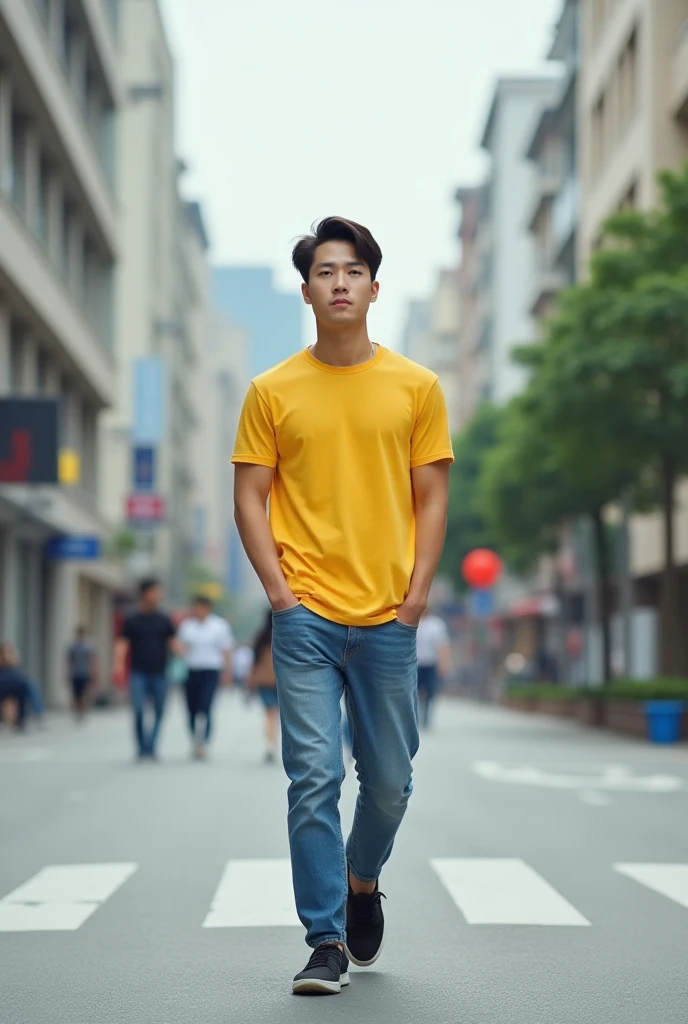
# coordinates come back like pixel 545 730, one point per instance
pixel 144 468
pixel 149 400
pixel 483 603
pixel 74 548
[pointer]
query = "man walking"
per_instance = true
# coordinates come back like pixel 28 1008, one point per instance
pixel 433 662
pixel 149 636
pixel 82 669
pixel 206 641
pixel 350 442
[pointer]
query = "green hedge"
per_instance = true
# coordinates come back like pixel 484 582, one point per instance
pixel 543 691
pixel 620 689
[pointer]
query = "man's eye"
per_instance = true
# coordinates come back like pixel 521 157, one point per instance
pixel 357 272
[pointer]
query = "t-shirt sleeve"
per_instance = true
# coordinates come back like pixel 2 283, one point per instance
pixel 128 629
pixel 255 443
pixel 171 629
pixel 431 440
pixel 226 637
pixel 184 631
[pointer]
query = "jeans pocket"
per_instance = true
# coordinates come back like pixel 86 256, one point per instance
pixel 286 611
pixel 405 626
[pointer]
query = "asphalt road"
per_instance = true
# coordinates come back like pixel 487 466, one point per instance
pixel 540 877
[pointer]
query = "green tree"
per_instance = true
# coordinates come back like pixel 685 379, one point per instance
pixel 551 467
pixel 466 524
pixel 639 278
pixel 608 397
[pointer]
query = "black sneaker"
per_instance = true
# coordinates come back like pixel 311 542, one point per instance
pixel 365 927
pixel 324 974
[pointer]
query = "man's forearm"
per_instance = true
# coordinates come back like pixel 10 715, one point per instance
pixel 259 545
pixel 431 528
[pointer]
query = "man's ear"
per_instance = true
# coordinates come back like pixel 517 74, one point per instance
pixel 306 294
pixel 375 291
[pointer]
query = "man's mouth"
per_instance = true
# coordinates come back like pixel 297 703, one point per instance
pixel 341 302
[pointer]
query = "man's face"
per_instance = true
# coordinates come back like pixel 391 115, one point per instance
pixel 200 610
pixel 152 597
pixel 339 286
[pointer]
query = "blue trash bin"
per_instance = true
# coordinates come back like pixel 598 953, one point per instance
pixel 664 720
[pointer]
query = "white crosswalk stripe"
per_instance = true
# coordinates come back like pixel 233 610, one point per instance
pixel 258 893
pixel 60 898
pixel 254 894
pixel 504 891
pixel 671 880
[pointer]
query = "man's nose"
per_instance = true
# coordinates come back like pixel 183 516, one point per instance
pixel 340 283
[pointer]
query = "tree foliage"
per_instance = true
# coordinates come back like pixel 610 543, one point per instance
pixel 467 527
pixel 605 409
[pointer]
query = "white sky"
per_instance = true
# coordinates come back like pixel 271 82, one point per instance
pixel 290 110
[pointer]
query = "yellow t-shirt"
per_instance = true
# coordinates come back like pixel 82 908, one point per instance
pixel 343 440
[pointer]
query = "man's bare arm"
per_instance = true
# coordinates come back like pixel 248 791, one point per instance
pixel 120 656
pixel 251 491
pixel 431 499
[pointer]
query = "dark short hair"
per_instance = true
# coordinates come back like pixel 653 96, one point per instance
pixel 202 599
pixel 337 229
pixel 148 584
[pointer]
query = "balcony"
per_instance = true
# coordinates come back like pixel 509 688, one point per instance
pixel 565 212
pixel 679 98
pixel 548 282
pixel 545 188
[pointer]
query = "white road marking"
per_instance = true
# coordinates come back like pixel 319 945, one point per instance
pixel 615 778
pixel 593 798
pixel 254 894
pixel 504 891
pixel 30 755
pixel 671 880
pixel 61 897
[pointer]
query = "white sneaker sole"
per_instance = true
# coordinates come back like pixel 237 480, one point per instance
pixel 364 963
pixel 312 986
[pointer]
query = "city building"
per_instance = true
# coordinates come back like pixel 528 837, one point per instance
pixel 633 123
pixel 431 336
pixel 634 105
pixel 60 92
pixel 149 438
pixel 472 369
pixel 505 245
pixel 553 149
pixel 272 319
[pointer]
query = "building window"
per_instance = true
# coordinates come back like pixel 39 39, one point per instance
pixel 42 372
pixel 18 171
pixel 65 236
pixel 88 448
pixel 16 359
pixel 597 141
pixel 630 200
pixel 65 432
pixel 628 81
pixel 43 204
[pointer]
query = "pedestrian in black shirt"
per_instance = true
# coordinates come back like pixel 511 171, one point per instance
pixel 148 636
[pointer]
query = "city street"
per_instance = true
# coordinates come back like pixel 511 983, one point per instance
pixel 540 877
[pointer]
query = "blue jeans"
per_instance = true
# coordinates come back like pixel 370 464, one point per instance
pixel 316 661
pixel 143 687
pixel 427 688
pixel 200 687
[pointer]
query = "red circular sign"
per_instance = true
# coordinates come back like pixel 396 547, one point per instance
pixel 481 568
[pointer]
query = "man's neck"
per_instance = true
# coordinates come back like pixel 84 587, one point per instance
pixel 343 347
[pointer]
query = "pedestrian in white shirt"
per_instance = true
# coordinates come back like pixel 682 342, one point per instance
pixel 207 644
pixel 432 647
